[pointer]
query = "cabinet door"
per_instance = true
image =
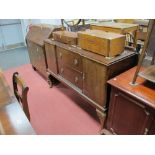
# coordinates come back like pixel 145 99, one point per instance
pixel 32 52
pixel 41 63
pixel 127 116
pixel 94 81
pixel 51 58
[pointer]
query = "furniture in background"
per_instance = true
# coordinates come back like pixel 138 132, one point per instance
pixel 21 96
pixel 122 28
pixel 36 47
pixel 132 109
pixel 141 33
pixel 86 72
pixel 12 118
pixel 149 72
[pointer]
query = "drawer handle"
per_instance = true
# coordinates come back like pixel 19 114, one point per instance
pixel 60 55
pixel 75 62
pixel 61 70
pixel 76 79
pixel 146 131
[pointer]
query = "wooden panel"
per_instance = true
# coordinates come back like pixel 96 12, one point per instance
pixel 51 57
pixel 66 37
pixel 13 121
pixel 70 59
pixel 127 115
pixel 107 29
pixel 104 43
pixel 94 81
pixel 41 60
pixel 32 53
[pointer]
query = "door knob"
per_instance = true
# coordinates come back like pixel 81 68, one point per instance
pixel 75 62
pixel 76 79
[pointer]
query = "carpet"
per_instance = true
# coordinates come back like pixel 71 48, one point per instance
pixel 58 110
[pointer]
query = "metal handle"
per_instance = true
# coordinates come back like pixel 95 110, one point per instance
pixel 61 70
pixel 76 79
pixel 83 76
pixel 146 131
pixel 60 55
pixel 75 62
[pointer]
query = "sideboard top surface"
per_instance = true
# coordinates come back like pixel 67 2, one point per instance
pixel 93 56
pixel 143 91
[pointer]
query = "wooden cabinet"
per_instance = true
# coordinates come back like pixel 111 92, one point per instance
pixel 51 58
pixel 85 72
pixel 127 115
pixel 94 81
pixel 131 109
pixel 37 57
pixel 36 48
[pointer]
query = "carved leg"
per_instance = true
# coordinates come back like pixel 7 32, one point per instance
pixel 50 83
pixel 49 80
pixel 102 117
pixel 34 68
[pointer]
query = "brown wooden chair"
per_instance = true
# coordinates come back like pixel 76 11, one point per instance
pixel 21 96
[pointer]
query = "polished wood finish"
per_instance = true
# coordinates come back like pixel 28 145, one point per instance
pixel 21 97
pixel 132 108
pixel 121 28
pixel 87 72
pixel 51 58
pixel 36 47
pixel 12 118
pixel 66 37
pixel 148 74
pixel 104 43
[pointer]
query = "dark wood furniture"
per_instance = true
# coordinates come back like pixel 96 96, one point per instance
pixel 13 120
pixel 86 72
pixel 36 48
pixel 132 108
pixel 18 83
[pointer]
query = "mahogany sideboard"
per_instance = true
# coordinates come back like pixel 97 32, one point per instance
pixel 13 120
pixel 132 107
pixel 36 47
pixel 86 72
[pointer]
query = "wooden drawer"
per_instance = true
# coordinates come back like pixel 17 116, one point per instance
pixel 69 59
pixel 71 75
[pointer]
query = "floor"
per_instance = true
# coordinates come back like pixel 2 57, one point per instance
pixel 67 114
pixel 14 58
pixel 58 110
